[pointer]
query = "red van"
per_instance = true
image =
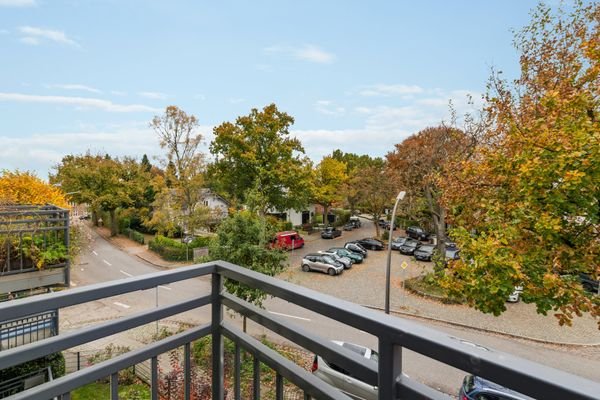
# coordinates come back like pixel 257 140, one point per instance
pixel 288 240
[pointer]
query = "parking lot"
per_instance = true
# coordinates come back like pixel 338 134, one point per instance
pixel 365 284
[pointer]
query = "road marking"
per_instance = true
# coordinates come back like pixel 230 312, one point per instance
pixel 125 273
pixel 289 316
pixel 165 287
pixel 82 269
pixel 116 303
pixel 94 253
pixel 73 283
pixel 107 263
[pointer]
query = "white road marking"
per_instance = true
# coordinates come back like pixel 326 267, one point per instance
pixel 82 269
pixel 289 316
pixel 164 287
pixel 125 273
pixel 107 263
pixel 116 303
pixel 94 252
pixel 73 283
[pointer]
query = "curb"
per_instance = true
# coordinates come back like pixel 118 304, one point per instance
pixel 499 333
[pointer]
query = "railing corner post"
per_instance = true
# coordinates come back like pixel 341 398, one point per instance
pixel 390 368
pixel 217 338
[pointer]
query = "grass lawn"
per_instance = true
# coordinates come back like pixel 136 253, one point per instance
pixel 100 391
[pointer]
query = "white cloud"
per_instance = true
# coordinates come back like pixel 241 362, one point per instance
pixel 30 40
pixel 154 95
pixel 82 102
pixel 390 90
pixel 73 86
pixel 32 34
pixel 17 3
pixel 118 93
pixel 307 52
pixel 328 107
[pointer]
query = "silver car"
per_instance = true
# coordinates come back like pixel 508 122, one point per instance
pixel 322 262
pixel 344 260
pixel 340 378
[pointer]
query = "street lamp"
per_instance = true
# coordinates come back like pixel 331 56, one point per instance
pixel 389 256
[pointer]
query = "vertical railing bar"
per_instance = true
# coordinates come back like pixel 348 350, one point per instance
pixel 306 396
pixel 187 366
pixel 114 386
pixel 78 361
pixel 66 396
pixel 237 384
pixel 390 368
pixel 256 380
pixel 154 378
pixel 278 387
pixel 217 338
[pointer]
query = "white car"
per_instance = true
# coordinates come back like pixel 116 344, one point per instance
pixel 340 378
pixel 344 260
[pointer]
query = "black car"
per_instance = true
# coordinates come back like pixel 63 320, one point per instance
pixel 355 221
pixel 330 233
pixel 357 248
pixel 398 241
pixel 417 233
pixel 409 246
pixel 424 252
pixel 476 388
pixel 589 284
pixel 349 226
pixel 371 243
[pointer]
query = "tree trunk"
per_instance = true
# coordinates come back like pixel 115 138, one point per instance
pixel 439 218
pixel 326 215
pixel 113 223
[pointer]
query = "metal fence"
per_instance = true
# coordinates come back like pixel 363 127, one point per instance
pixel 394 335
pixel 18 332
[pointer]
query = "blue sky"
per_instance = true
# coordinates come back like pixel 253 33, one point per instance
pixel 359 76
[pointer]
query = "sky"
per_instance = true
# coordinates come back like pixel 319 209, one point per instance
pixel 359 76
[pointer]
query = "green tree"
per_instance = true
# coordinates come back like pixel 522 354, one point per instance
pixel 258 162
pixel 376 191
pixel 243 239
pixel 329 177
pixel 526 204
pixel 184 169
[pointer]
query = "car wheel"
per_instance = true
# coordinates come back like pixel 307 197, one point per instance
pixel 305 268
pixel 331 271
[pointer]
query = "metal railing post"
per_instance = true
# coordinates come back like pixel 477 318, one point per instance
pixel 217 338
pixel 114 386
pixel 187 365
pixel 390 368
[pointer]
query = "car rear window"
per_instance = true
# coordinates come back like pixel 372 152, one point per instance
pixel 356 349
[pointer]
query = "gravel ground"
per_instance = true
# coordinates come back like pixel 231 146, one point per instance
pixel 365 284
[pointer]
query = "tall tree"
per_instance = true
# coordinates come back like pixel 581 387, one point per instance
pixel 329 177
pixel 243 239
pixel 257 161
pixel 23 187
pixel 185 165
pixel 417 164
pixel 376 190
pixel 526 204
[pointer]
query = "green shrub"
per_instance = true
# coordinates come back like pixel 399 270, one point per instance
pixel 385 235
pixel 55 361
pixel 174 249
pixel 134 235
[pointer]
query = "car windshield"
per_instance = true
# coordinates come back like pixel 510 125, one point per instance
pixel 426 248
pixel 328 260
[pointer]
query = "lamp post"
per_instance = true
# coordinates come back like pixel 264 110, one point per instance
pixel 389 256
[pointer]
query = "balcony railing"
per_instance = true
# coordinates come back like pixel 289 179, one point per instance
pixel 393 334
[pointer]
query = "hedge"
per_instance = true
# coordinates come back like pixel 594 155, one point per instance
pixel 134 235
pixel 55 361
pixel 174 249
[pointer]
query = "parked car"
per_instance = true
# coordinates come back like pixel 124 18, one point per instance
pixel 589 284
pixel 385 224
pixel 371 243
pixel 322 262
pixel 476 388
pixel 338 377
pixel 515 296
pixel 85 216
pixel 355 257
pixel 409 246
pixel 417 233
pixel 288 240
pixel 330 232
pixel 424 252
pixel 356 248
pixel 344 260
pixel 452 253
pixel 349 226
pixel 355 221
pixel 398 241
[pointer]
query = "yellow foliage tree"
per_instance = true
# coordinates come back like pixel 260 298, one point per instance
pixel 25 188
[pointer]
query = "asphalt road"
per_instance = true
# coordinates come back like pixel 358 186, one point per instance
pixel 103 262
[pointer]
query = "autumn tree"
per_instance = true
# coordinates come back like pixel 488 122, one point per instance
pixel 23 187
pixel 354 163
pixel 526 204
pixel 259 164
pixel 417 164
pixel 376 191
pixel 329 177
pixel 184 163
pixel 105 183
pixel 243 239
